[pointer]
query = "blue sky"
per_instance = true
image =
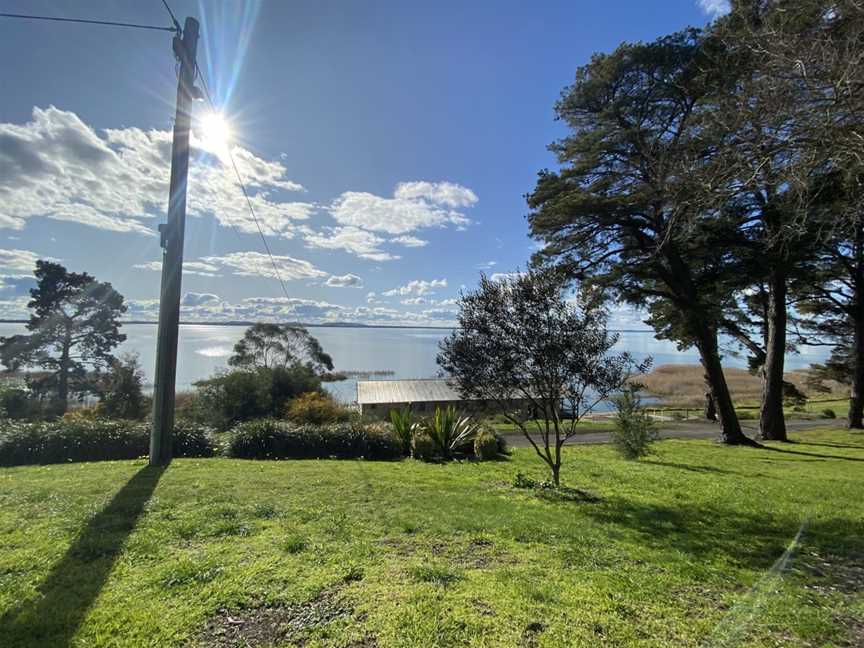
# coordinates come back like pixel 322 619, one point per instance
pixel 388 146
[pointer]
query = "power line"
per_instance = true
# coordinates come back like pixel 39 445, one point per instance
pixel 173 17
pixel 109 23
pixel 245 192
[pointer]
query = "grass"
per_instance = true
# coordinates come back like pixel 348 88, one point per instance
pixel 585 426
pixel 675 550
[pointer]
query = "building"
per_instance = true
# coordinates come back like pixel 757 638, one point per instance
pixel 378 397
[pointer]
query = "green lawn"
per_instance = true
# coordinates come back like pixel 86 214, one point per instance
pixel 676 550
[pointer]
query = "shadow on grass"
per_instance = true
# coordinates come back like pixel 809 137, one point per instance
pixel 691 468
pixel 831 445
pixel 74 583
pixel 752 540
pixel 785 450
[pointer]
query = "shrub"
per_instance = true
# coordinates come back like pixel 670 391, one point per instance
pixel 423 447
pixel 316 408
pixel 248 394
pixel 634 430
pixel 71 439
pixel 404 427
pixel 192 440
pixel 828 413
pixel 17 403
pixel 449 431
pixel 122 396
pixel 485 445
pixel 273 439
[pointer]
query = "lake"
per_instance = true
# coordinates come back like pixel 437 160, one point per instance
pixel 408 352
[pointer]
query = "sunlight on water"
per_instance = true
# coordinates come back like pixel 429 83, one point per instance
pixel 409 353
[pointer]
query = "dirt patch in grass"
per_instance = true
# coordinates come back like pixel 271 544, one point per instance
pixel 269 625
pixel 834 573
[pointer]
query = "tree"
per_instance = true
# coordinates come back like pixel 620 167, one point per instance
pixel 530 353
pixel 279 345
pixel 121 391
pixel 74 327
pixel 791 125
pixel 620 215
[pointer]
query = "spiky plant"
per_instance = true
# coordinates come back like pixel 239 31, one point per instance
pixel 448 430
pixel 404 427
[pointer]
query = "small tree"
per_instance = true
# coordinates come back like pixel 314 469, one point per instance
pixel 74 327
pixel 279 345
pixel 634 429
pixel 121 389
pixel 523 348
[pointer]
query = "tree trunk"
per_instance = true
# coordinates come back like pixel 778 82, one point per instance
pixel 709 354
pixel 856 401
pixel 556 474
pixel 63 379
pixel 710 408
pixel 772 425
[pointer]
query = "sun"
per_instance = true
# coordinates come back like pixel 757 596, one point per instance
pixel 215 133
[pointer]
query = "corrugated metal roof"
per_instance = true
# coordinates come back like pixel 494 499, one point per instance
pixel 371 392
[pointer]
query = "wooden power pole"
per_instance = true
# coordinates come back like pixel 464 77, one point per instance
pixel 185 49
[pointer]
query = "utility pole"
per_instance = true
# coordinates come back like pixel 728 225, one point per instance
pixel 185 49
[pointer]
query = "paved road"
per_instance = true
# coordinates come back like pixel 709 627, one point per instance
pixel 685 430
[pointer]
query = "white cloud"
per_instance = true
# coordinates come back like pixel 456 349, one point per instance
pixel 365 245
pixel 422 301
pixel 16 285
pixel 417 287
pixel 256 264
pixel 199 299
pixel 414 205
pixel 21 259
pixel 273 309
pixel 409 241
pixel 449 194
pixel 504 276
pixel 342 281
pixel 189 268
pixel 714 8
pixel 59 167
pixel 486 265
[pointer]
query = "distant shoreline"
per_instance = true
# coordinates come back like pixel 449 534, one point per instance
pixel 332 325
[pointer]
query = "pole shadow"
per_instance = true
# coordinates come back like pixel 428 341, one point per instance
pixel 74 583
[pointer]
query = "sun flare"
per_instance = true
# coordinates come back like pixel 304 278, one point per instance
pixel 215 133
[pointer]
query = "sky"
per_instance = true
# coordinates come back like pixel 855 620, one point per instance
pixel 387 147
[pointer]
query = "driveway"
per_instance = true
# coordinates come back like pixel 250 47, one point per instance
pixel 684 430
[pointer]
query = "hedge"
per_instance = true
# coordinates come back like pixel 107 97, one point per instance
pixel 274 439
pixel 92 440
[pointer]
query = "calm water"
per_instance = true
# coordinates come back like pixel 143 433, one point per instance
pixel 409 353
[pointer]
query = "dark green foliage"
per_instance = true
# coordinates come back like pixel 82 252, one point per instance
pixel 423 447
pixel 122 396
pixel 279 345
pixel 78 439
pixel 634 429
pixel 17 403
pixel 449 431
pixel 74 327
pixel 404 427
pixel 247 394
pixel 316 408
pixel 486 445
pixel 528 351
pixel 792 396
pixel 273 439
pixel 828 413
